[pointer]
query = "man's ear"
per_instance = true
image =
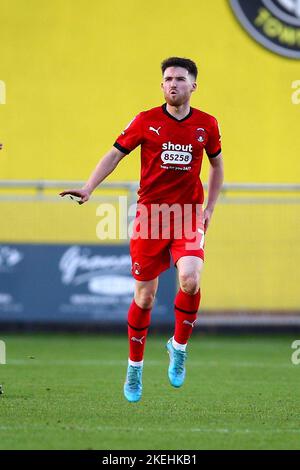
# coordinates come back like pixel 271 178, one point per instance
pixel 194 86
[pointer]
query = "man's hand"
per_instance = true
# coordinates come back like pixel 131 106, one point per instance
pixel 206 218
pixel 84 194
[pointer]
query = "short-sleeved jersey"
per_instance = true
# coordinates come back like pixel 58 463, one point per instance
pixel 171 153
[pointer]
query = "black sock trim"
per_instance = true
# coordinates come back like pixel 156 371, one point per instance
pixel 138 329
pixel 185 311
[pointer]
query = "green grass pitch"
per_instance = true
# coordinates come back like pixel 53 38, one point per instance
pixel 66 392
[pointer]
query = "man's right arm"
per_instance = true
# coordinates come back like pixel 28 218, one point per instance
pixel 105 166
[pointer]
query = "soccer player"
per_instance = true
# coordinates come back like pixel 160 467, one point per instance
pixel 173 138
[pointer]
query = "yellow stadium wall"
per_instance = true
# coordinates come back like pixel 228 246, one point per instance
pixel 76 72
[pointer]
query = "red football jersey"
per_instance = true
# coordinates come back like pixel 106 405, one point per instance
pixel 171 153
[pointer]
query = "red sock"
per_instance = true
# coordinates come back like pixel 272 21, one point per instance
pixel 138 324
pixel 186 309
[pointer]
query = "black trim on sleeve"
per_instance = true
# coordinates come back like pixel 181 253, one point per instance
pixel 122 149
pixel 213 155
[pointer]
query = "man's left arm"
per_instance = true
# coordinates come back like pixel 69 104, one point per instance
pixel 215 182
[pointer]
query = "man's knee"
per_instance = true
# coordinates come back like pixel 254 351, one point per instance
pixel 189 282
pixel 144 298
pixel 144 293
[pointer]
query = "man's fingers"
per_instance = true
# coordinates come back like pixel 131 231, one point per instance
pixel 65 193
pixel 78 196
pixel 71 192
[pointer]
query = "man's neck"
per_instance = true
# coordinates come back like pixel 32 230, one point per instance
pixel 179 112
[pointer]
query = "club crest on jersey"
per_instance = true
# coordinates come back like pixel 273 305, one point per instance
pixel 273 23
pixel 137 269
pixel 201 135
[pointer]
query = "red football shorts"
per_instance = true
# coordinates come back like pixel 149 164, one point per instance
pixel 160 233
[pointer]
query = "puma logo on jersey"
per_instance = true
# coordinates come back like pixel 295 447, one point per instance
pixel 154 130
pixel 138 340
pixel 189 323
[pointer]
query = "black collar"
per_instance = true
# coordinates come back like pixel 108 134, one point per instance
pixel 164 108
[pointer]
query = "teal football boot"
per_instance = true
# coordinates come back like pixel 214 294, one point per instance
pixel 133 385
pixel 176 371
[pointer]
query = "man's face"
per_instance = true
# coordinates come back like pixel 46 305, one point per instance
pixel 177 85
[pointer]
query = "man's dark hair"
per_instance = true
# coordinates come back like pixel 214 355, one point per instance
pixel 187 64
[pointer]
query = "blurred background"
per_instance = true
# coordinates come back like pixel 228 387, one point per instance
pixel 73 74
